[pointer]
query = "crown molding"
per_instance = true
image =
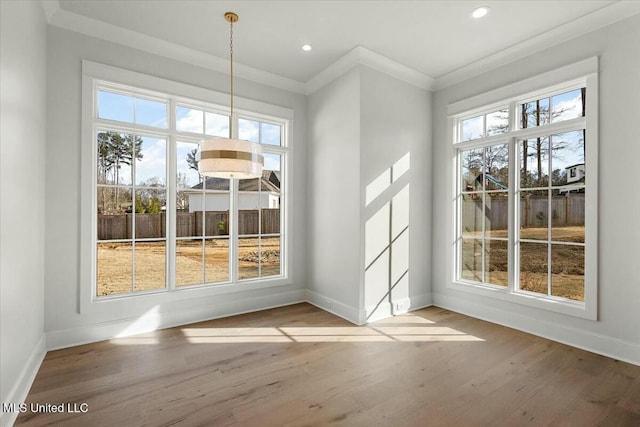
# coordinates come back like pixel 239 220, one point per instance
pixel 91 27
pixel 360 55
pixel 595 20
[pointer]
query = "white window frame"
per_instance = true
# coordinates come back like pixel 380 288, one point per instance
pixel 581 74
pixel 94 76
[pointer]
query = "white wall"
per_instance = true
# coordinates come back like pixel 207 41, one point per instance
pixel 64 324
pixel 360 126
pixel 22 207
pixel 617 333
pixel 333 196
pixel 396 139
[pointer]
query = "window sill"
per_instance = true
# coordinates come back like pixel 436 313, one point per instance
pixel 123 304
pixel 562 306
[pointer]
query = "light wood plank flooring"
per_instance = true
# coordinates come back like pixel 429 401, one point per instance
pixel 301 366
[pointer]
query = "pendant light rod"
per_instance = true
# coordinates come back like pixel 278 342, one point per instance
pixel 231 18
pixel 230 158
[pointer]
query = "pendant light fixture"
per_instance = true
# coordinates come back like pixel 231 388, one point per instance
pixel 229 157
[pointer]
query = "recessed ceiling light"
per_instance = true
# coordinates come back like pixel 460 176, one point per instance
pixel 306 47
pixel 480 12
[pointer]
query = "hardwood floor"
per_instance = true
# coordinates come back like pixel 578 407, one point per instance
pixel 301 366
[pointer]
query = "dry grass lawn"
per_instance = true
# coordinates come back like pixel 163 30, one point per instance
pixel 567 262
pixel 193 264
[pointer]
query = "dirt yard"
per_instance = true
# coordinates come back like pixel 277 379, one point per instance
pixel 567 262
pixel 193 265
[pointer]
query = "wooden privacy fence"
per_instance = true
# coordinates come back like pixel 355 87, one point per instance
pixel 188 224
pixel 534 212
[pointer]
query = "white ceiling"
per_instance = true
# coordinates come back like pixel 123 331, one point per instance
pixel 435 38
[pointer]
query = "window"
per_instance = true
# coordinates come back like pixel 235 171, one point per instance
pixel 159 225
pixel 131 195
pixel 259 203
pixel 525 199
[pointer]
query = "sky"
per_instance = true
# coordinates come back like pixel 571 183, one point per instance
pixel 129 109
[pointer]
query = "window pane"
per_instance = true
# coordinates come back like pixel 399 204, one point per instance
pixel 498 122
pixel 190 213
pixel 496 214
pixel 150 213
pixel 189 262
pixel 270 256
pixel 471 165
pixel 189 120
pixel 534 215
pixel 216 124
pixel 270 134
pixel 568 158
pixel 249 130
pixel 528 115
pixel 114 158
pixel 114 268
pixel 534 267
pixel 185 218
pixel 113 106
pixel 535 113
pixel 472 215
pixel 567 271
pixel 151 261
pixel 216 223
pixel 216 256
pixel 114 217
pixel 270 216
pixel 566 106
pixel 248 257
pixel 496 260
pixel 534 164
pixel 187 166
pixel 249 220
pixel 272 163
pixel 271 195
pixel 496 158
pixel 105 158
pixel 472 128
pixel 151 163
pixel 151 113
pixel 471 260
pixel 568 217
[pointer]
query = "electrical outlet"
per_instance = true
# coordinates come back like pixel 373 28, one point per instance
pixel 401 307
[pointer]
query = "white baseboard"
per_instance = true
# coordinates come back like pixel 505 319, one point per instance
pixel 334 307
pixel 378 312
pixel 586 340
pixel 420 301
pixel 155 320
pixel 395 307
pixel 368 314
pixel 20 389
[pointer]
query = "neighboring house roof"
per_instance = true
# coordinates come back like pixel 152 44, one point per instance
pixel 270 182
pixel 573 166
pixel 274 177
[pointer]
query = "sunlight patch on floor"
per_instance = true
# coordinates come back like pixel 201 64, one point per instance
pixel 307 334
